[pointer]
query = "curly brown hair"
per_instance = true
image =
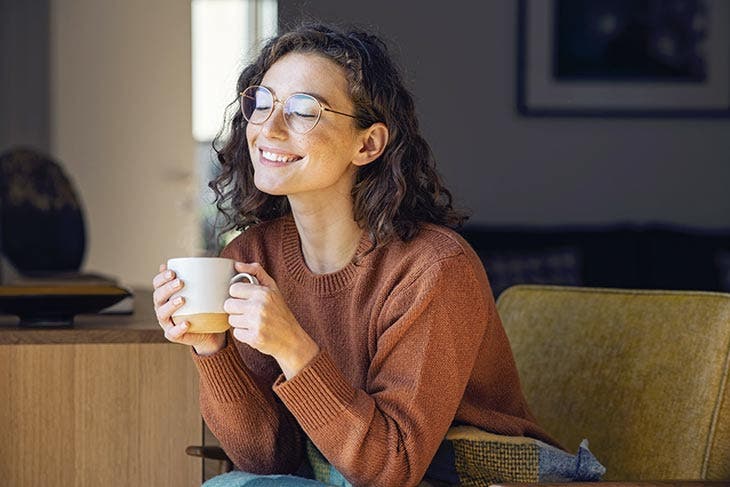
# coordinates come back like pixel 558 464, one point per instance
pixel 393 194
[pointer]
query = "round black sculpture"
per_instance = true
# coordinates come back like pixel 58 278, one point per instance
pixel 41 223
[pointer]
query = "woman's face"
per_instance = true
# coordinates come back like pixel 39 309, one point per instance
pixel 317 164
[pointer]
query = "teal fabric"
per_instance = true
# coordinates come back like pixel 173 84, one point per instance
pixel 322 469
pixel 245 479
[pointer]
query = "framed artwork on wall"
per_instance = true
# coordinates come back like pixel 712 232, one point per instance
pixel 625 58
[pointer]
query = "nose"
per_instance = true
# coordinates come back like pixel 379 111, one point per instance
pixel 275 126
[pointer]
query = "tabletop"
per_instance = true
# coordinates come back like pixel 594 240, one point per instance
pixel 139 327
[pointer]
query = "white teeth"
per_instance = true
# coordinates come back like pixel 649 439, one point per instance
pixel 278 157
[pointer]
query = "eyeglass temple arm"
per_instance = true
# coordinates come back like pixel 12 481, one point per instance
pixel 338 113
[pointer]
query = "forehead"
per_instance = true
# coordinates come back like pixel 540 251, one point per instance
pixel 308 73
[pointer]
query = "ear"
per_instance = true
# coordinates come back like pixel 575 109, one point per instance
pixel 372 142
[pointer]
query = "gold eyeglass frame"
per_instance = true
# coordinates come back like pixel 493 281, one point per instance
pixel 322 108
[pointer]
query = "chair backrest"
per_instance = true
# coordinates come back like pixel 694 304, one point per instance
pixel 643 375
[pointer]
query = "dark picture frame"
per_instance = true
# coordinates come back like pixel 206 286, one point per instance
pixel 623 58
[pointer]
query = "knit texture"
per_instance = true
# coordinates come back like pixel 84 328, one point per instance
pixel 410 344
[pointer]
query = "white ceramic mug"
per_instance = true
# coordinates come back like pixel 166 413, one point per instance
pixel 206 282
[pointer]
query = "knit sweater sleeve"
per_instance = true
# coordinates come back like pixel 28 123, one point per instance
pixel 240 409
pixel 236 400
pixel 429 332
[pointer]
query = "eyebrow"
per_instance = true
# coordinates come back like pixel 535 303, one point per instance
pixel 316 95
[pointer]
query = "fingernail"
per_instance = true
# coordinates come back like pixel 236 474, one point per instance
pixel 177 300
pixel 184 324
pixel 176 283
pixel 168 274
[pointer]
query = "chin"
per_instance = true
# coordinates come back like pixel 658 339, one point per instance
pixel 270 189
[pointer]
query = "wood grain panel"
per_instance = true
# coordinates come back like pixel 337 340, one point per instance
pixel 174 420
pixel 36 417
pixel 98 414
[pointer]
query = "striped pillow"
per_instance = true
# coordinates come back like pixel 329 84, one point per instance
pixel 474 458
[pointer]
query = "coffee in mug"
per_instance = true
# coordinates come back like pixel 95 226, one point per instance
pixel 206 282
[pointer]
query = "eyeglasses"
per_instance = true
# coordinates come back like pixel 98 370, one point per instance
pixel 301 111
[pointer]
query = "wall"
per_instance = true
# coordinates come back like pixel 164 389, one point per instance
pixel 460 63
pixel 119 120
pixel 24 83
pixel 121 125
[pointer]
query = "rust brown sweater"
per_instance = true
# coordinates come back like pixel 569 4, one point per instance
pixel 411 343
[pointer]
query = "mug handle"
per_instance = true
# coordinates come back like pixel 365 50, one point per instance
pixel 244 276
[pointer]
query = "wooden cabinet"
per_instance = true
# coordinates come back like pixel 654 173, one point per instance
pixel 109 402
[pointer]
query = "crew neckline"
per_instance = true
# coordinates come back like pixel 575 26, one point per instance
pixel 320 284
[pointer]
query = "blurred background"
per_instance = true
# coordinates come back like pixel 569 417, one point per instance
pixel 127 97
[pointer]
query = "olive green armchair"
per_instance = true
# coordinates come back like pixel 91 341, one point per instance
pixel 642 374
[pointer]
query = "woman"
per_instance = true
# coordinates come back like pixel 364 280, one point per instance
pixel 373 328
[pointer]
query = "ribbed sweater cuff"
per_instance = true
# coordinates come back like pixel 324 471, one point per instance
pixel 225 375
pixel 317 394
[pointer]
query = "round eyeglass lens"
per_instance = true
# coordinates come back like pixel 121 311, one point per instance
pixel 256 104
pixel 302 112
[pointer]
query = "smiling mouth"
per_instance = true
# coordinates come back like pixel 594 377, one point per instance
pixel 281 158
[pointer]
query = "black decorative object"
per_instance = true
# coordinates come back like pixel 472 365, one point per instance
pixel 627 58
pixel 40 215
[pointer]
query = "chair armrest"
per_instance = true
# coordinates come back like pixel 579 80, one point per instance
pixel 211 452
pixel 647 483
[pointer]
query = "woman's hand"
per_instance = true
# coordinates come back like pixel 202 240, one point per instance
pixel 165 286
pixel 261 318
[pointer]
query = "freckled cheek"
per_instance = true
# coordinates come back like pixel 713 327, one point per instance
pixel 323 143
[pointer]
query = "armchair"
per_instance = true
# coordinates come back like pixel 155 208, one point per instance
pixel 643 374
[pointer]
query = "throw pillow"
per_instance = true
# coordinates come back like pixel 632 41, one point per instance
pixel 471 457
